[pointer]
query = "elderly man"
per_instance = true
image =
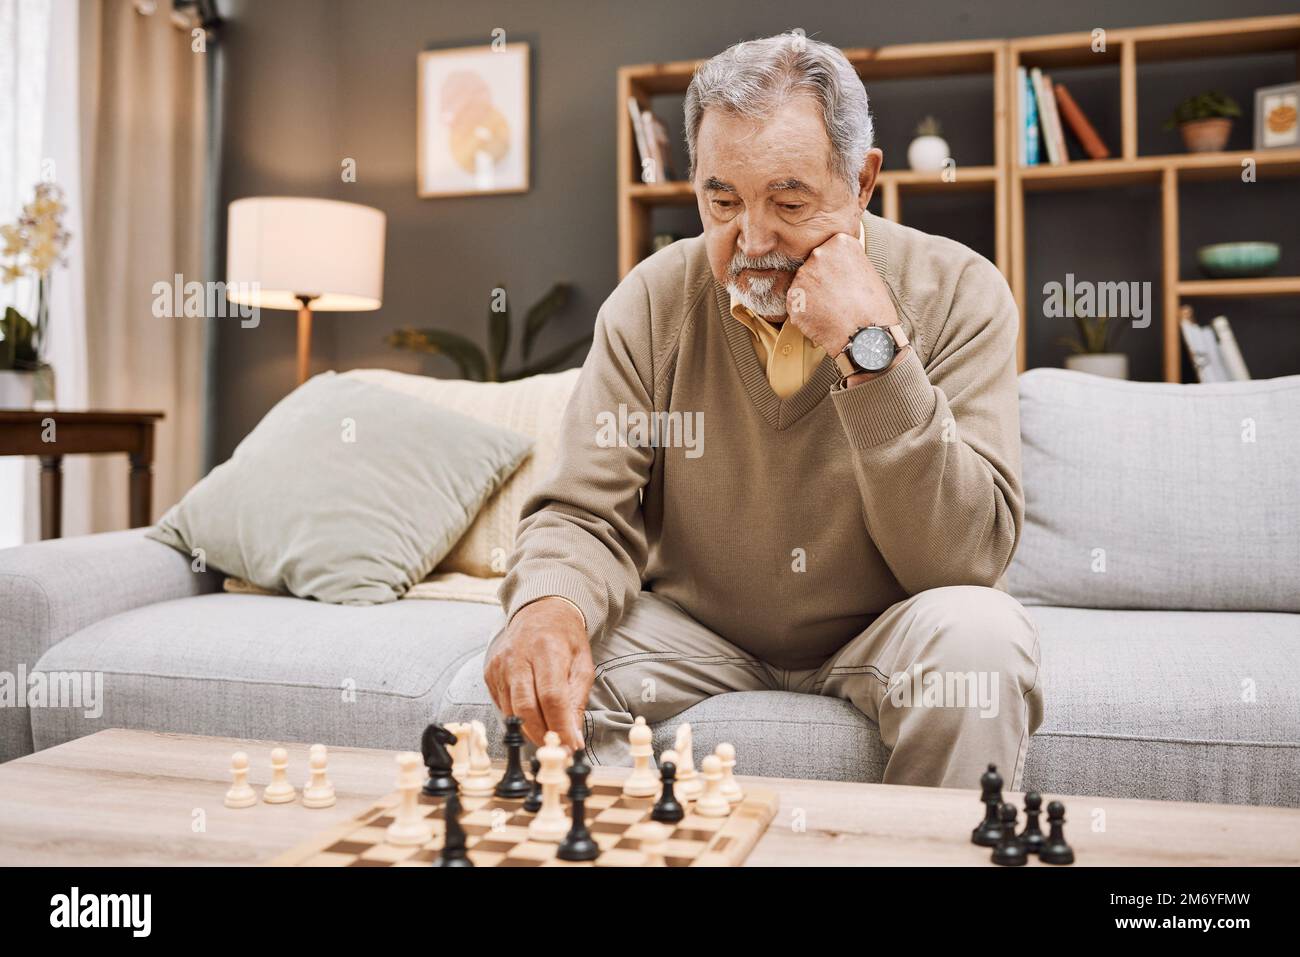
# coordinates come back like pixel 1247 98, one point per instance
pixel 840 523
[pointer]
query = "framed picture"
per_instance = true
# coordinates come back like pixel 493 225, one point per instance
pixel 1276 124
pixel 473 123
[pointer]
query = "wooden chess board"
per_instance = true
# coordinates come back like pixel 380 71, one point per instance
pixel 497 834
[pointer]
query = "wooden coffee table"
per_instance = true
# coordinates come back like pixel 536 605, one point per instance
pixel 138 798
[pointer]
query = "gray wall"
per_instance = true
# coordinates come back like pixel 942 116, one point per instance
pixel 311 82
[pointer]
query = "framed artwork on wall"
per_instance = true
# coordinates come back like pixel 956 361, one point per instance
pixel 1277 117
pixel 473 106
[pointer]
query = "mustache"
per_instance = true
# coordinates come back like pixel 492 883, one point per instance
pixel 741 262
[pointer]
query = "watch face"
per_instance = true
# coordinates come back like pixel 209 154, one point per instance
pixel 872 349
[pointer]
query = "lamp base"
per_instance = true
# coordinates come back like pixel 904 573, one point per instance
pixel 304 339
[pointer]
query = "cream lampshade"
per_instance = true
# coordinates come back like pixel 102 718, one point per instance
pixel 310 255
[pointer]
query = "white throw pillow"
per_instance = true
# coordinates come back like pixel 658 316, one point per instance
pixel 530 407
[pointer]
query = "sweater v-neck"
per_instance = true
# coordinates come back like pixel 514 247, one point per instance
pixel 778 412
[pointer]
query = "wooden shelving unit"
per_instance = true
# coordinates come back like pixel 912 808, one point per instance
pixel 1129 48
pixel 904 61
pixel 1008 181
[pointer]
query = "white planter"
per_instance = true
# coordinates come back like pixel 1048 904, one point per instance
pixel 1112 365
pixel 17 389
pixel 927 154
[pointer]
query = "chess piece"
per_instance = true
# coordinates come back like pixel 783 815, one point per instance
pixel 533 803
pixel 437 759
pixel 731 789
pixel 667 810
pixel 642 782
pixel 240 793
pixel 551 823
pixel 459 749
pixel 513 783
pixel 1009 851
pixel 1054 849
pixel 478 781
pixel 578 844
pixel 279 791
pixel 1031 837
pixel 712 803
pixel 454 853
pixel 989 830
pixel 654 838
pixel 689 785
pixel 318 792
pixel 409 826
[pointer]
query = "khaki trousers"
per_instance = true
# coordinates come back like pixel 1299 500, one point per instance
pixel 949 676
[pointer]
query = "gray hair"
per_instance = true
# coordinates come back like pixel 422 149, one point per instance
pixel 755 77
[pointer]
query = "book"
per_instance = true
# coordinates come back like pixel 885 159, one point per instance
pixel 662 150
pixel 1047 118
pixel 1196 350
pixel 1228 348
pixel 645 160
pixel 1079 125
pixel 1029 155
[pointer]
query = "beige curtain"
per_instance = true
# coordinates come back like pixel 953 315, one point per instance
pixel 144 145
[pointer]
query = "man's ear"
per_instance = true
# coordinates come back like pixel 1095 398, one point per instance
pixel 868 175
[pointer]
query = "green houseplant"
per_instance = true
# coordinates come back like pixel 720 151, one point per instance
pixel 1205 121
pixel 1092 347
pixel 488 366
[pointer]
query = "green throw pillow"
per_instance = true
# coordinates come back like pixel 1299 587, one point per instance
pixel 346 492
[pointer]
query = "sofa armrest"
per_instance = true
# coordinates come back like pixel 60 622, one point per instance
pixel 48 590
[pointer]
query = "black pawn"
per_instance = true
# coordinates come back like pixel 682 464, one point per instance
pixel 1054 849
pixel 453 840
pixel 513 784
pixel 667 810
pixel 533 803
pixel 989 830
pixel 1031 837
pixel 578 844
pixel 1009 852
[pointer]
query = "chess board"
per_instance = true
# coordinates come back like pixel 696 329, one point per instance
pixel 497 832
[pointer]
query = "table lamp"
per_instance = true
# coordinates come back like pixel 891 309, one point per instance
pixel 310 255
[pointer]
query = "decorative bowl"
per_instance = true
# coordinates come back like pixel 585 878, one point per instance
pixel 1238 260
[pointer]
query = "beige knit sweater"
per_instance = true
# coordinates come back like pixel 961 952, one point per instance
pixel 785 526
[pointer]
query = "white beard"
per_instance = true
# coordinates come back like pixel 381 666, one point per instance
pixel 759 297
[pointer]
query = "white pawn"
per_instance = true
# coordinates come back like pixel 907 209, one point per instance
pixel 279 791
pixel 240 793
pixel 712 803
pixel 551 823
pixel 478 780
pixel 654 840
pixel 689 786
pixel 731 788
pixel 409 826
pixel 642 782
pixel 319 791
pixel 459 750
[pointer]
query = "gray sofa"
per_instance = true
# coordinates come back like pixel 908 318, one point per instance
pixel 1160 560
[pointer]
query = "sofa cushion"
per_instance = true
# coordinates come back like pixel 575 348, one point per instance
pixel 346 491
pixel 531 407
pixel 1149 495
pixel 1140 704
pixel 274 668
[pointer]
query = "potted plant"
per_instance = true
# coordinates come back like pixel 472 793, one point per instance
pixel 30 248
pixel 482 366
pixel 929 151
pixel 1205 121
pixel 1093 348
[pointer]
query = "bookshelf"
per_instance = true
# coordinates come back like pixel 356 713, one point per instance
pixel 1130 48
pixel 903 61
pixel 1009 183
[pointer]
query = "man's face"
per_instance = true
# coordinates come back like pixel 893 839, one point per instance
pixel 768 196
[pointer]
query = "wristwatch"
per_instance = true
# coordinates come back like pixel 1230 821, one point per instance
pixel 871 349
